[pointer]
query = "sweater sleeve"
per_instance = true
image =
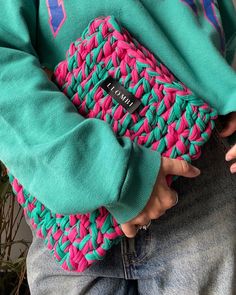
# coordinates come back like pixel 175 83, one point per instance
pixel 228 16
pixel 69 163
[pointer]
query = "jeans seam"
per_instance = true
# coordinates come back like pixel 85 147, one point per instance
pixel 148 239
pixel 126 261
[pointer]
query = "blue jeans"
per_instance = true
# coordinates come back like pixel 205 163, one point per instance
pixel 188 251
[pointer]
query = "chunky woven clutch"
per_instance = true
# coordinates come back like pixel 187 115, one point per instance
pixel 108 74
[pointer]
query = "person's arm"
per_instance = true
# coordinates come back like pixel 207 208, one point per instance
pixel 69 163
pixel 228 16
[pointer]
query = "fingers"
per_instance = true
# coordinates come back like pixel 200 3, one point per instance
pixel 168 199
pixel 229 129
pixel 162 198
pixel 129 230
pixel 156 207
pixel 233 168
pixel 231 155
pixel 179 167
pixel 230 126
pixel 141 219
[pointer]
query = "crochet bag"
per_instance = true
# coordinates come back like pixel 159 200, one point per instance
pixel 108 74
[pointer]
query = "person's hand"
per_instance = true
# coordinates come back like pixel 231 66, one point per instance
pixel 162 197
pixel 231 155
pixel 229 129
pixel 229 125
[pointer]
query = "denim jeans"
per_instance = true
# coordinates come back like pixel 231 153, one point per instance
pixel 188 251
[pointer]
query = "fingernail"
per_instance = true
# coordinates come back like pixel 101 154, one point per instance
pixel 233 169
pixel 197 171
pixel 228 157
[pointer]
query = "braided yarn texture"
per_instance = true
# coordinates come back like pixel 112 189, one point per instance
pixel 170 119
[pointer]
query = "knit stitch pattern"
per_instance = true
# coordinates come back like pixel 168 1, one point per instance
pixel 170 119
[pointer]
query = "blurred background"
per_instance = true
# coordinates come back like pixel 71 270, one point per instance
pixel 15 238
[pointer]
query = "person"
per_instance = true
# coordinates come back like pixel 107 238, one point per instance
pixel 66 160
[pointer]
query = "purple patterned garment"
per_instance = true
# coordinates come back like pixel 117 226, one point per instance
pixel 208 7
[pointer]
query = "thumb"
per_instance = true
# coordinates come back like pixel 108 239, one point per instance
pixel 129 230
pixel 179 167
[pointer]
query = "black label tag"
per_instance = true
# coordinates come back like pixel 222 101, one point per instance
pixel 121 95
